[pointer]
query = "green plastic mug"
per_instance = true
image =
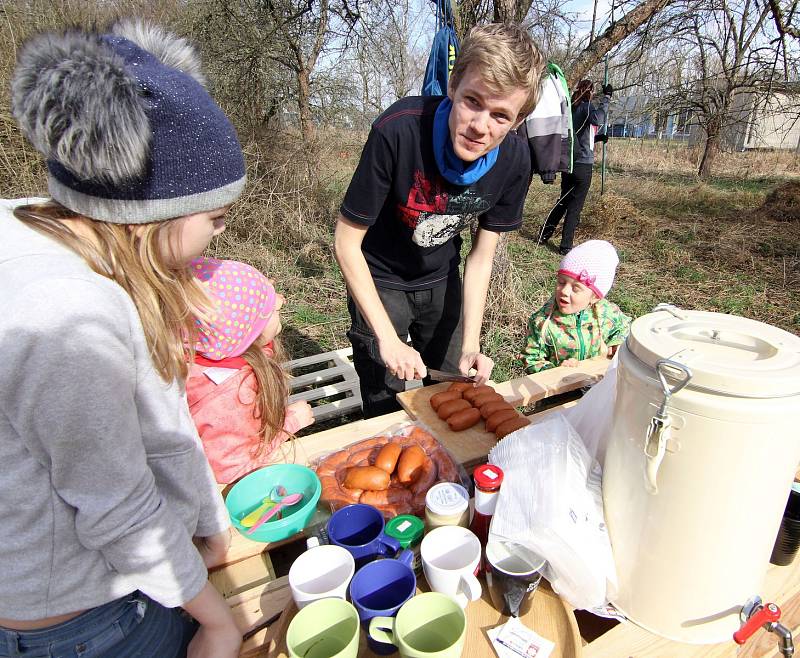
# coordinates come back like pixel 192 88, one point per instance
pixel 430 625
pixel 327 628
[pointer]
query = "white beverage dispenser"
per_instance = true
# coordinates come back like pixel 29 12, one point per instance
pixel 701 457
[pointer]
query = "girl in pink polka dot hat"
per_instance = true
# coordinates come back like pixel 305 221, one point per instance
pixel 237 389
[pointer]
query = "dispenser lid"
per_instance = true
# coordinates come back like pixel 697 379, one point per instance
pixel 727 354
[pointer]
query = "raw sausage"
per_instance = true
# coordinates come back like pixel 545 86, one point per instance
pixel 508 426
pixel 444 396
pixel 500 417
pixel 410 464
pixel 367 477
pixel 386 497
pixel 462 420
pixel 426 478
pixel 459 386
pixel 479 400
pixel 335 495
pixel 450 407
pixel 495 405
pixel 328 465
pixel 361 457
pixel 424 439
pixel 445 468
pixel 478 390
pixel 388 456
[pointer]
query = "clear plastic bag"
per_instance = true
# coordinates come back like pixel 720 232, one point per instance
pixel 593 415
pixel 332 468
pixel 551 502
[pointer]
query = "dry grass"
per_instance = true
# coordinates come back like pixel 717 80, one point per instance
pixel 717 245
pixel 783 203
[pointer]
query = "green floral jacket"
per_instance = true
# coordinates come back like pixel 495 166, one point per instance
pixel 554 337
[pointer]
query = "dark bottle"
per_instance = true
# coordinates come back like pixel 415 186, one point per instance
pixel 488 479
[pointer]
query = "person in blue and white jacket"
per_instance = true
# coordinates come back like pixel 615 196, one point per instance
pixel 587 117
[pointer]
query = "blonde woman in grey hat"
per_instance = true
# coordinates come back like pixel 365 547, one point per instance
pixel 104 483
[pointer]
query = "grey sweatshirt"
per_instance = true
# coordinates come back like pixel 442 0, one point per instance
pixel 103 480
pixel 584 116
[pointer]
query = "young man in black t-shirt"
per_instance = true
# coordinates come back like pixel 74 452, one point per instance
pixel 430 168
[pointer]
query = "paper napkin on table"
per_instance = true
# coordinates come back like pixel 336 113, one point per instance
pixel 513 639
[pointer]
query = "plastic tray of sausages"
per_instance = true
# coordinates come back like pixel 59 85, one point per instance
pixel 391 471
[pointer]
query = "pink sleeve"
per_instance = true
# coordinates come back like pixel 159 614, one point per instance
pixel 291 423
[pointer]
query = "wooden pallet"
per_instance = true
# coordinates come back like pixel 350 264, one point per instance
pixel 333 375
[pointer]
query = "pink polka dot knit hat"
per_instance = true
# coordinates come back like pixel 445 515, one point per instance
pixel 244 301
pixel 592 263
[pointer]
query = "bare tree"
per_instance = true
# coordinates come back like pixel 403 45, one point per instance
pixel 733 59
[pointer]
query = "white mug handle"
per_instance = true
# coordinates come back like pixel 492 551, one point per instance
pixel 470 586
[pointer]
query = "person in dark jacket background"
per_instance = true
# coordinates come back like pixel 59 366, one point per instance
pixel 587 117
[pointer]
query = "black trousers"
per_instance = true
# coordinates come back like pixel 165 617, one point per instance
pixel 574 188
pixel 432 317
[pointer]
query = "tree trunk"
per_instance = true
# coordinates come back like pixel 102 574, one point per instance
pixel 304 105
pixel 710 151
pixel 511 11
pixel 616 32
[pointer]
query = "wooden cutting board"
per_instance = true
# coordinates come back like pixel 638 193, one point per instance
pixel 471 446
pixel 468 447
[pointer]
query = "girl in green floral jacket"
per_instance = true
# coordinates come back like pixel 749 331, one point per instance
pixel 577 322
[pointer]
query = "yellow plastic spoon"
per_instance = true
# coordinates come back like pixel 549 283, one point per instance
pixel 255 515
pixel 276 494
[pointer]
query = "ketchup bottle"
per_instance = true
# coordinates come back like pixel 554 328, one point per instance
pixel 488 479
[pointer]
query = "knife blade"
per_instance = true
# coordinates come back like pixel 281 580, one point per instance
pixel 442 376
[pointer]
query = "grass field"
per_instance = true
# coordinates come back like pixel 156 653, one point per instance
pixel 699 245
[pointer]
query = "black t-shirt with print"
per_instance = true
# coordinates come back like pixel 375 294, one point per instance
pixel 414 215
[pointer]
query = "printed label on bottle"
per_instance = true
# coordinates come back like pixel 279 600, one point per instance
pixel 485 502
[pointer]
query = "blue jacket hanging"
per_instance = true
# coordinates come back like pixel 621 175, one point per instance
pixel 443 52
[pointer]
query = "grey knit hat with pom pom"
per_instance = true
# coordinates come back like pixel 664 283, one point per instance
pixel 128 129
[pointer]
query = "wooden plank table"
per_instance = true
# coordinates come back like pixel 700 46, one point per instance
pixel 248 582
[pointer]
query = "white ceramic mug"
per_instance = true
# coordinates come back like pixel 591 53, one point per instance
pixel 450 557
pixel 322 572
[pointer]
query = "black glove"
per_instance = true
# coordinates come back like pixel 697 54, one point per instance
pixel 608 90
pixel 601 139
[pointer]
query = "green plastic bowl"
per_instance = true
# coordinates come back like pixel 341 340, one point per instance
pixel 249 492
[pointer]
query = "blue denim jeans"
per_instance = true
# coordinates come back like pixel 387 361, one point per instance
pixel 134 625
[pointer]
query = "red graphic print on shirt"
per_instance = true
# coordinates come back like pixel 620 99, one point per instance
pixel 424 197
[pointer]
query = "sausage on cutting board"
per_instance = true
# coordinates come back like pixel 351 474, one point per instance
pixel 463 420
pixel 451 406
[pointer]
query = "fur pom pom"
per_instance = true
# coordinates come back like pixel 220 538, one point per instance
pixel 171 50
pixel 76 103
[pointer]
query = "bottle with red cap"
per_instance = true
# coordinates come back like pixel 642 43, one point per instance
pixel 488 479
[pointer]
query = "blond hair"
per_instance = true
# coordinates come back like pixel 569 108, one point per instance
pixel 507 59
pixel 168 299
pixel 272 392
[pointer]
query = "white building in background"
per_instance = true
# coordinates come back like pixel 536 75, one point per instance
pixel 761 120
pixel 758 121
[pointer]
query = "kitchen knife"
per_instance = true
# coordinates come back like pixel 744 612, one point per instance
pixel 442 376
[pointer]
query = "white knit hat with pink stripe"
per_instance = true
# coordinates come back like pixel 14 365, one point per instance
pixel 592 263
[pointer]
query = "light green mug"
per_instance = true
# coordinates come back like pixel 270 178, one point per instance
pixel 327 628
pixel 430 625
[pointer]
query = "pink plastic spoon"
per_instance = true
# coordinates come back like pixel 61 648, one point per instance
pixel 291 499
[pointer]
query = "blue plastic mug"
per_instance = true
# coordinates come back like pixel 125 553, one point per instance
pixel 359 529
pixel 380 589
